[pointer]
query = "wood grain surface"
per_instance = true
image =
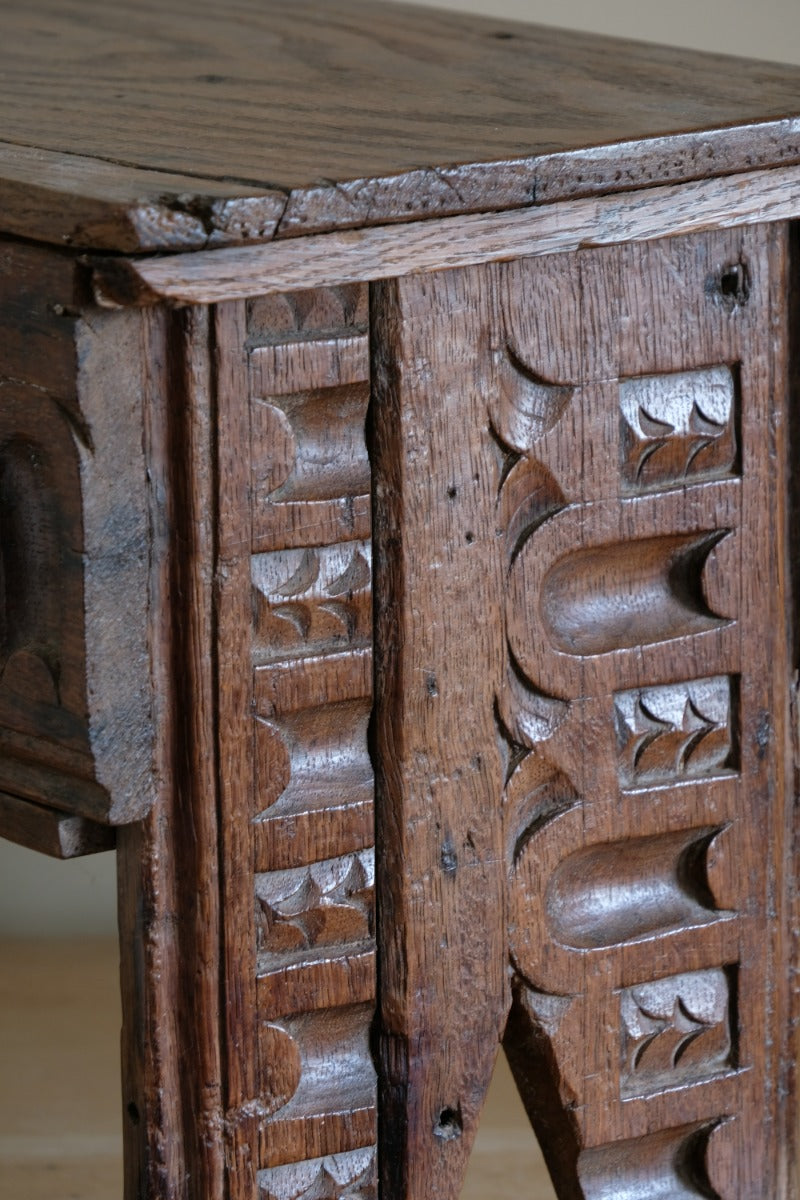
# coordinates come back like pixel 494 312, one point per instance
pixel 194 125
pixel 443 987
pixel 610 425
pixel 333 259
pixel 174 1084
pixel 77 554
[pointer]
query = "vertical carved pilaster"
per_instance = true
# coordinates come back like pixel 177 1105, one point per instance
pixel 642 907
pixel 295 659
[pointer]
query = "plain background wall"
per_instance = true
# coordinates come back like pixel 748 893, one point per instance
pixel 39 897
pixel 765 29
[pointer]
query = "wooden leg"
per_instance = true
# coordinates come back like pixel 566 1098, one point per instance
pixel 168 866
pixel 246 905
pixel 583 715
pixel 442 983
pixel 581 734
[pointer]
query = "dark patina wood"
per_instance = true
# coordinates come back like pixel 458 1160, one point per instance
pixel 78 548
pixel 54 833
pixel 618 416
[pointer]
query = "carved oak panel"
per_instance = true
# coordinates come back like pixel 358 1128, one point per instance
pixel 580 481
pixel 295 687
pixel 579 736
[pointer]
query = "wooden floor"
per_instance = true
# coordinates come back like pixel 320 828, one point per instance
pixel 59 1071
pixel 59 1086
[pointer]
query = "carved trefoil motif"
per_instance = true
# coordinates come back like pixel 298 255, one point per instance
pixel 677 1030
pixel 677 731
pixel 312 599
pixel 678 427
pixel 350 1176
pixel 317 906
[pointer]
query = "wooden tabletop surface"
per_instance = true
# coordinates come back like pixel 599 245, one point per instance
pixel 169 124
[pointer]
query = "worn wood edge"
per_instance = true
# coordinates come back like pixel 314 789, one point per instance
pixel 514 183
pixel 387 252
pixel 57 834
pixel 784 323
pixel 86 202
pixel 156 1160
pixel 229 537
pixel 196 849
pixel 81 201
pixel 167 863
pixel 120 557
pixel 791 1110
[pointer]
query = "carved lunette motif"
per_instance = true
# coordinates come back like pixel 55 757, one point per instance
pixel 312 809
pixel 666 1164
pixel 629 613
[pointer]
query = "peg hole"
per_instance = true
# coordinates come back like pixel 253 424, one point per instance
pixel 730 287
pixel 449 1126
pixel 732 283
